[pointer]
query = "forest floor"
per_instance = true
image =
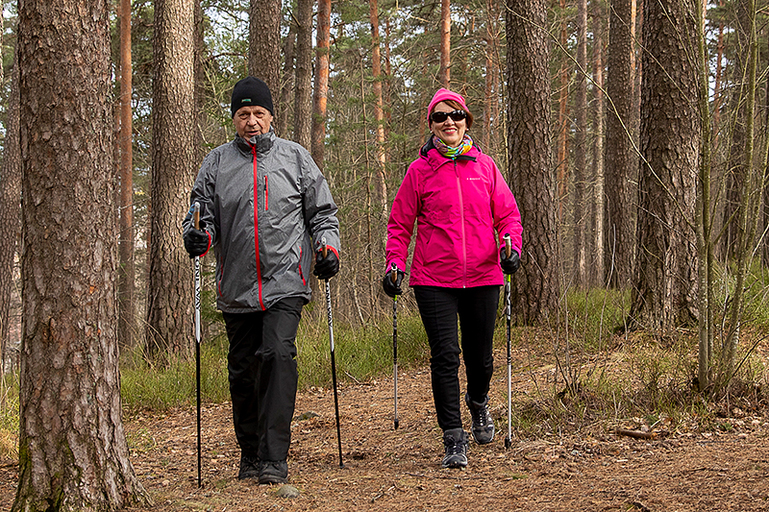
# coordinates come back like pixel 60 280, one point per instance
pixel 593 468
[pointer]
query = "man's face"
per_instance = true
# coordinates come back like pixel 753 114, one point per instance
pixel 250 121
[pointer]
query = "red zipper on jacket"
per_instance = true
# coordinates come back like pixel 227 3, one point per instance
pixel 256 230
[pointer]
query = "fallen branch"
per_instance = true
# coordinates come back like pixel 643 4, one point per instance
pixel 636 434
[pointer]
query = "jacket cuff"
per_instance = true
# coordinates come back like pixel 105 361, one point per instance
pixel 332 249
pixel 209 244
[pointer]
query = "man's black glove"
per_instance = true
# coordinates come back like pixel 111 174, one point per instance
pixel 510 264
pixel 197 242
pixel 326 268
pixel 393 288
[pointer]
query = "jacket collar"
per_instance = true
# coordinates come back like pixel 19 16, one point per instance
pixel 435 158
pixel 263 142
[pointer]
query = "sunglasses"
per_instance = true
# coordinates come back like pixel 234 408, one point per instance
pixel 455 115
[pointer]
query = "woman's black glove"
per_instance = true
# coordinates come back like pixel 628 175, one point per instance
pixel 393 288
pixel 510 264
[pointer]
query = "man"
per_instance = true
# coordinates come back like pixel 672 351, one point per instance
pixel 265 208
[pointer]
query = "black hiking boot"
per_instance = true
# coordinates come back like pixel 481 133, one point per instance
pixel 249 466
pixel 273 472
pixel 483 424
pixel 455 444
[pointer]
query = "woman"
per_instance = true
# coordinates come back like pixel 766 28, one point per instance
pixel 463 209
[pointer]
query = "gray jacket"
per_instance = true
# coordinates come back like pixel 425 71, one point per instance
pixel 294 212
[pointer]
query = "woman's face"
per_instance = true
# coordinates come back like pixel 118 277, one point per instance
pixel 449 131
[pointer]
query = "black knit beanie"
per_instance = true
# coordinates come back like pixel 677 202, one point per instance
pixel 250 92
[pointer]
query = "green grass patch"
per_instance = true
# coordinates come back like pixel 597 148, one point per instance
pixel 360 353
pixel 757 298
pixel 594 315
pixel 146 386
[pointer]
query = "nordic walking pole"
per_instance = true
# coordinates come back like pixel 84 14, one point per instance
pixel 508 277
pixel 196 215
pixel 394 277
pixel 324 250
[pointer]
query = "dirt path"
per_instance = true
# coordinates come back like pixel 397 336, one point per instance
pixel 399 470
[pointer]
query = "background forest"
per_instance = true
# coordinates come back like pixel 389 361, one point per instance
pixel 633 134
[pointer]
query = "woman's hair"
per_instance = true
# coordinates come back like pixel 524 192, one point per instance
pixel 457 106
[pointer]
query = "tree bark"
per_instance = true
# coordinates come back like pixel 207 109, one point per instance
pixel 285 107
pixel 264 42
pixel 10 211
pixel 303 92
pixel 620 176
pixel 665 285
pixel 562 161
pixel 597 271
pixel 376 69
pixel 126 276
pixel 580 149
pixel 320 95
pixel 444 73
pixel 529 173
pixel 491 121
pixel 73 453
pixel 169 294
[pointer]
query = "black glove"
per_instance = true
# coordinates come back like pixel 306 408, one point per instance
pixel 510 264
pixel 197 241
pixel 393 288
pixel 326 268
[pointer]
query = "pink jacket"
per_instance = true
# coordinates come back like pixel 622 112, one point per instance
pixel 463 209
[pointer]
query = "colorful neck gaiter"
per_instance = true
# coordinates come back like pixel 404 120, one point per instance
pixel 453 153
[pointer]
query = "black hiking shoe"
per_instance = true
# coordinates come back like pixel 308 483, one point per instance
pixel 455 444
pixel 249 466
pixel 483 424
pixel 273 472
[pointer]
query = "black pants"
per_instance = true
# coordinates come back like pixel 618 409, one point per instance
pixel 263 377
pixel 477 311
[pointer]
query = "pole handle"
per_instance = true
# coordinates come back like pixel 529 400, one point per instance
pixel 323 247
pixel 508 245
pixel 394 273
pixel 196 214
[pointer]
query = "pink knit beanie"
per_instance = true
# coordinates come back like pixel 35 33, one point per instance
pixel 443 95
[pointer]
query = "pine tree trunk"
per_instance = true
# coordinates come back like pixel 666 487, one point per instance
pixel 597 271
pixel 665 284
pixel 285 106
pixel 169 294
pixel 580 149
pixel 444 73
pixel 564 122
pixel 376 70
pixel 620 174
pixel 126 276
pixel 320 94
pixel 10 211
pixel 303 92
pixel 529 171
pixel 491 121
pixel 264 42
pixel 73 453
